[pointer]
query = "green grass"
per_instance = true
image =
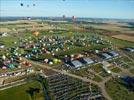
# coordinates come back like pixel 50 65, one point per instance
pixel 132 71
pixel 104 74
pixel 97 68
pixel 97 78
pixel 82 72
pixel 118 91
pixel 19 92
pixel 116 70
pixel 126 59
pixel 119 43
pixel 9 40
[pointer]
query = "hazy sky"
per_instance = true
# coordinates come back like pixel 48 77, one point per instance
pixel 79 8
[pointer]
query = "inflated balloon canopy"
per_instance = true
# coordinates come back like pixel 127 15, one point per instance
pixel 21 4
pixel 36 33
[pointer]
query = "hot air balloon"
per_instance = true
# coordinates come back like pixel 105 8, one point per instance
pixel 3 57
pixel 28 18
pixel 27 5
pixel 21 4
pixel 36 33
pixel 64 17
pixel 73 18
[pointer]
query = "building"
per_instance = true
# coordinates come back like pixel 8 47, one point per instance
pixel 76 63
pixel 3 34
pixel 130 49
pixel 105 66
pixel 105 56
pixel 113 53
pixel 86 60
pixel 2 46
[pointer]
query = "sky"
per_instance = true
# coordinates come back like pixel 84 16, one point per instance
pixel 123 9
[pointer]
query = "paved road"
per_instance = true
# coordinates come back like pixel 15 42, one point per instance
pixel 100 85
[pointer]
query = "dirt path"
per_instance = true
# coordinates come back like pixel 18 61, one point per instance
pixel 100 85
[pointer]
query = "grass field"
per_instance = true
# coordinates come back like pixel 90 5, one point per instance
pixel 20 92
pixel 118 91
pixel 97 68
pixel 132 71
pixel 116 70
pixel 97 78
pixel 119 42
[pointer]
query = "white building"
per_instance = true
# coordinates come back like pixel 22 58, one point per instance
pixel 2 34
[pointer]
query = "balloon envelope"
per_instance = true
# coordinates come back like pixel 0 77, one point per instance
pixel 36 33
pixel 21 4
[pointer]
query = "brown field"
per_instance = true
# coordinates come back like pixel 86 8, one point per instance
pixel 114 27
pixel 124 37
pixel 20 26
pixel 4 30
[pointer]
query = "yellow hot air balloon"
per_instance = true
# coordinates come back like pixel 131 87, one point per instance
pixel 36 33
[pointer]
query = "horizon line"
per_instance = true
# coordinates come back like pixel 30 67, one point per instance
pixel 71 17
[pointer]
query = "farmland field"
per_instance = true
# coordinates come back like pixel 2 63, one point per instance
pixel 124 37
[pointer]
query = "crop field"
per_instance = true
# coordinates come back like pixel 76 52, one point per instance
pixel 21 26
pixel 113 27
pixel 124 37
pixel 62 86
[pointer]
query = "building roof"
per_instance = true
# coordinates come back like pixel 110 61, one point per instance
pixel 113 53
pixel 2 46
pixel 87 60
pixel 105 55
pixel 130 49
pixel 3 33
pixel 76 63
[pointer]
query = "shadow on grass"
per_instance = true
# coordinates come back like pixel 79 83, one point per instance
pixel 31 91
